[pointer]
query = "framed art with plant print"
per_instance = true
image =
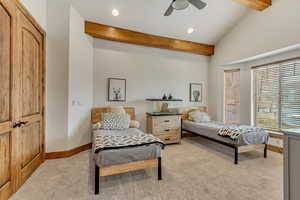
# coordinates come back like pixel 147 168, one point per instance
pixel 196 92
pixel 116 89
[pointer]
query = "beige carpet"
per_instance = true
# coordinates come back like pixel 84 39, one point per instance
pixel 197 169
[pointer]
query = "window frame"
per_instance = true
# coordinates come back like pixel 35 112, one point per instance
pixel 224 93
pixel 253 90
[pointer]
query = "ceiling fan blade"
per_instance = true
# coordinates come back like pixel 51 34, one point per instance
pixel 197 3
pixel 169 10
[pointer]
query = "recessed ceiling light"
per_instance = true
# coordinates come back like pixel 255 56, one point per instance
pixel 190 30
pixel 115 12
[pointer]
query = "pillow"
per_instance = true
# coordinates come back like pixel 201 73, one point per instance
pixel 97 126
pixel 190 111
pixel 115 121
pixel 134 124
pixel 198 116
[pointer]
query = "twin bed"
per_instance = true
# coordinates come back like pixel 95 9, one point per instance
pixel 248 141
pixel 115 158
pixel 120 151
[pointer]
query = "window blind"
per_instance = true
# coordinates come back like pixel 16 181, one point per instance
pixel 277 95
pixel 232 96
pixel 267 97
pixel 290 95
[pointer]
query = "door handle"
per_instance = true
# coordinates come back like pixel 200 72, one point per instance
pixel 24 123
pixel 17 124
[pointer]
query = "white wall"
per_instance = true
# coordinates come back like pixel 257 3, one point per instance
pixel 150 72
pixel 257 33
pixel 80 82
pixel 38 9
pixel 57 71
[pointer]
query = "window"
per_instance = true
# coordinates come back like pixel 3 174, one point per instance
pixel 277 95
pixel 232 96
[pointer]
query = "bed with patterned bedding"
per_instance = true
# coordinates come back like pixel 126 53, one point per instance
pixel 240 138
pixel 119 146
pixel 248 134
pixel 112 147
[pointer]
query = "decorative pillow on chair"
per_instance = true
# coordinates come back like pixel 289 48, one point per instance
pixel 198 116
pixel 115 121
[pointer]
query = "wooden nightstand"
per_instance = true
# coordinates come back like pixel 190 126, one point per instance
pixel 166 126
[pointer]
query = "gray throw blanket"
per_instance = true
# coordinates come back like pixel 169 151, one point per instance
pixel 111 141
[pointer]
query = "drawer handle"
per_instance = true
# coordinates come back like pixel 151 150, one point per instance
pixel 167 139
pixel 167 130
pixel 167 120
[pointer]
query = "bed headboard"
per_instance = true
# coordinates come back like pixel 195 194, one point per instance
pixel 97 113
pixel 186 111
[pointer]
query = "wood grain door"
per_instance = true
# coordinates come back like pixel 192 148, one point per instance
pixel 30 98
pixel 7 111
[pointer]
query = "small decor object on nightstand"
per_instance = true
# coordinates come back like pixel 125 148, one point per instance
pixel 116 89
pixel 165 97
pixel 196 92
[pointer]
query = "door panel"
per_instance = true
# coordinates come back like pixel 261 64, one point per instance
pixel 30 142
pixel 5 68
pixel 30 73
pixel 5 158
pixel 30 51
pixel 6 132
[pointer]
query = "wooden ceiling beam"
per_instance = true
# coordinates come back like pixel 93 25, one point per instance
pixel 259 5
pixel 133 37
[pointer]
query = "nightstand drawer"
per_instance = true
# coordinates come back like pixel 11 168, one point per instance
pixel 167 122
pixel 169 139
pixel 165 130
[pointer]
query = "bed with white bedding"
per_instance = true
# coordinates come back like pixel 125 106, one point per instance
pixel 248 138
pixel 249 135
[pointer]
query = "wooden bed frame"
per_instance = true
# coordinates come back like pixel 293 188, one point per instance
pixel 125 167
pixel 237 149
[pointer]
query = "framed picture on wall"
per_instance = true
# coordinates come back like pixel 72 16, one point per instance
pixel 116 89
pixel 196 92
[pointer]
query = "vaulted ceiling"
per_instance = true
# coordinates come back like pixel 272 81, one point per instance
pixel 209 24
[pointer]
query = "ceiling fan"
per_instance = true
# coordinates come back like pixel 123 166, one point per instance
pixel 183 4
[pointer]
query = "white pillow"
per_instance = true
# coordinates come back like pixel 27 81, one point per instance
pixel 198 116
pixel 115 121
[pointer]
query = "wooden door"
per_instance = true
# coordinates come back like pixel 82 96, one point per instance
pixel 7 111
pixel 30 113
pixel 21 96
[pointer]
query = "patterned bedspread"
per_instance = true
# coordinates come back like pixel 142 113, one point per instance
pixel 122 139
pixel 234 132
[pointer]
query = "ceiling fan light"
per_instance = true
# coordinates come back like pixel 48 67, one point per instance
pixel 180 4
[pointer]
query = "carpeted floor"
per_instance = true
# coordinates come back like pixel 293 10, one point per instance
pixel 197 169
